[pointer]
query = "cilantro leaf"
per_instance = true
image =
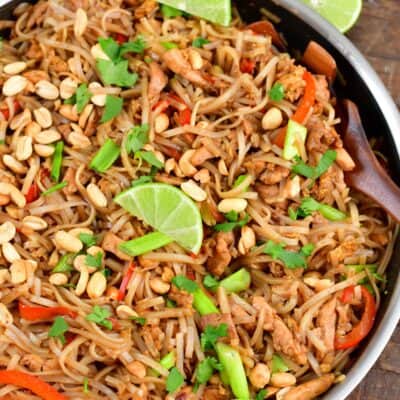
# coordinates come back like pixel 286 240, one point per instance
pixel 230 226
pixel 70 100
pixel 301 168
pixel 308 205
pixel 210 282
pixel 291 259
pixel 199 42
pixel 82 97
pixel 278 365
pixel 110 47
pixel 174 381
pixel 232 216
pixel 205 369
pixel 87 239
pixel 59 327
pixel 112 108
pixel 99 316
pixel 142 180
pixel 149 157
pixel 211 334
pixel 94 261
pixel 137 46
pixel 140 320
pixel 64 264
pixel 308 249
pixel 170 12
pixel 137 138
pixel 261 394
pixel 116 74
pixel 183 283
pixel 277 92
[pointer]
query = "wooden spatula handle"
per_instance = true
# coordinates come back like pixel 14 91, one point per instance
pixel 369 176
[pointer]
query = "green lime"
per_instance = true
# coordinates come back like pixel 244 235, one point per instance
pixel 166 209
pixel 341 13
pixel 218 11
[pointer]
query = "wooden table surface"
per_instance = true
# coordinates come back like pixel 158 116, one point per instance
pixel 377 36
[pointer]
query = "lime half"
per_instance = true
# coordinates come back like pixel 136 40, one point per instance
pixel 218 11
pixel 341 13
pixel 166 209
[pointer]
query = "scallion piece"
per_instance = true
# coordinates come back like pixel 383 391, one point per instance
pixel 105 157
pixel 57 161
pixel 145 243
pixel 237 282
pixel 55 188
pixel 168 361
pixel 331 213
pixel 203 304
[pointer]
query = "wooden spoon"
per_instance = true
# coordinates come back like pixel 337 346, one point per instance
pixel 368 176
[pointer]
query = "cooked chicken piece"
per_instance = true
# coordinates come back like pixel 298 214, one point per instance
pixel 274 174
pixel 158 80
pixel 311 389
pixel 326 320
pixel 111 242
pixel 221 258
pixel 217 319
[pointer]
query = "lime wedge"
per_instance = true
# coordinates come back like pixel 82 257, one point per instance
pixel 218 11
pixel 166 209
pixel 341 13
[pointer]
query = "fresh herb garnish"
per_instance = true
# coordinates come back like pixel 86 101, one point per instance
pixel 239 180
pixel 55 188
pixel 57 161
pixel 200 42
pixel 137 138
pixel 142 180
pixel 112 108
pixel 205 369
pixel 94 261
pixel 82 97
pixel 261 394
pixel 170 303
pixel 291 259
pixel 116 74
pixel 149 157
pixel 183 283
pixel 64 264
pixel 99 316
pixel 309 205
pixel 278 365
pixel 88 239
pixel 230 226
pixel 277 92
pixel 140 320
pixel 301 168
pixel 210 282
pixel 174 381
pixel 115 51
pixel 59 327
pixel 85 385
pixel 211 334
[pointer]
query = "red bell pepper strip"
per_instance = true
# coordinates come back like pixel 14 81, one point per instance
pixel 305 104
pixel 361 330
pixel 266 28
pixel 247 66
pixel 347 295
pixel 30 382
pixel 37 313
pixel 33 193
pixel 184 117
pixel 120 38
pixel 6 111
pixel 125 280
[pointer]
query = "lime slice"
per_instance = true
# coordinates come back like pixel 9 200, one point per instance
pixel 341 13
pixel 218 11
pixel 168 210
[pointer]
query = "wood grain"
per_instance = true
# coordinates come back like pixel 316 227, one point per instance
pixel 377 36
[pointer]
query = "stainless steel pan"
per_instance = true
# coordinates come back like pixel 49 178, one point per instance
pixel 380 117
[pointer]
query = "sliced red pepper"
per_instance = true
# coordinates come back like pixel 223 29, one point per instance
pixel 266 28
pixel 347 295
pixel 160 106
pixel 303 109
pixel 361 330
pixel 33 193
pixel 37 313
pixel 184 117
pixel 125 280
pixel 69 337
pixel 247 66
pixel 6 111
pixel 30 382
pixel 116 326
pixel 120 38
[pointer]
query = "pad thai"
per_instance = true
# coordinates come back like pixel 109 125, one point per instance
pixel 174 218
